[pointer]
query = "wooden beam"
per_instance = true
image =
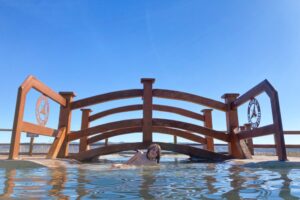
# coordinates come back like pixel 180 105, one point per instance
pixel 40 130
pixel 208 124
pixel 104 127
pixel 191 127
pixel 57 143
pixel 171 94
pixel 124 94
pixel 83 146
pixel 256 132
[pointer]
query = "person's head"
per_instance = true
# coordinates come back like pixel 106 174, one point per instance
pixel 153 152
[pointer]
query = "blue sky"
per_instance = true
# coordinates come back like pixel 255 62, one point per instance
pixel 203 47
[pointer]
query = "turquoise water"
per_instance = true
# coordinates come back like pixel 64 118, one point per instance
pixel 173 179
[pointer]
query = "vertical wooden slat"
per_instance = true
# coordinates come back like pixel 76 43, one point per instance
pixel 175 139
pixel 147 109
pixel 208 124
pixel 31 146
pixel 17 128
pixel 65 121
pixel 106 142
pixel 84 125
pixel 232 122
pixel 278 136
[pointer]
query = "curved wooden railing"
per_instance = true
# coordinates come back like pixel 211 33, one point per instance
pixel 20 125
pixel 147 124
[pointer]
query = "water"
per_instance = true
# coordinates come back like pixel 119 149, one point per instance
pixel 172 179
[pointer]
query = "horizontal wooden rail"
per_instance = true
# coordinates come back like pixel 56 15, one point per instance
pixel 105 127
pixel 123 94
pixel 274 146
pixel 162 108
pixel 257 132
pixel 171 94
pixel 162 130
pixel 40 130
pixel 291 132
pixel 190 127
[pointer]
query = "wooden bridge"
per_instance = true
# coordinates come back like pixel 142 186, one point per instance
pixel 239 142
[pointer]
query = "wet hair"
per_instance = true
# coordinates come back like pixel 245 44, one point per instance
pixel 152 146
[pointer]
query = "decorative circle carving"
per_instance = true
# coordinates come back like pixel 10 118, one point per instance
pixel 254 113
pixel 42 110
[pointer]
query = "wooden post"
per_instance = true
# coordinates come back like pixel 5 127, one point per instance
pixel 249 140
pixel 31 146
pixel 208 124
pixel 106 142
pixel 65 121
pixel 175 139
pixel 84 125
pixel 232 122
pixel 279 135
pixel 17 127
pixel 147 109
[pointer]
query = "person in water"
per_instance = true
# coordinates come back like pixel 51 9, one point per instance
pixel 152 157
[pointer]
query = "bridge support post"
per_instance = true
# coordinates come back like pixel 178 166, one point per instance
pixel 279 135
pixel 85 123
pixel 65 121
pixel 249 141
pixel 208 124
pixel 232 122
pixel 147 109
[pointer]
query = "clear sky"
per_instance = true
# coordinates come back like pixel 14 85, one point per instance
pixel 203 47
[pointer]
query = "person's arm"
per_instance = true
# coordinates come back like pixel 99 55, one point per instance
pixel 136 156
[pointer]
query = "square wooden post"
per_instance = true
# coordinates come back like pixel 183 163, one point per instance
pixel 147 109
pixel 232 122
pixel 65 121
pixel 208 124
pixel 85 123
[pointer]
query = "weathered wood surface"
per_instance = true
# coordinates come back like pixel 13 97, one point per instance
pixel 40 130
pixel 171 94
pixel 208 124
pixel 264 86
pixel 105 127
pixel 147 109
pixel 84 125
pixel 123 94
pixel 57 144
pixel 257 132
pixel 191 127
pixel 182 149
pixel 157 107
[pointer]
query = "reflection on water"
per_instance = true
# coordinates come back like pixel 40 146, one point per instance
pixel 180 180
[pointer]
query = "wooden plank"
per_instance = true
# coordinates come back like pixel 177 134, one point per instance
pixel 124 94
pixel 291 132
pixel 180 133
pixel 40 130
pixel 178 111
pixel 263 86
pixel 257 132
pixel 105 127
pixel 57 144
pixel 274 146
pixel 115 110
pixel 191 127
pixel 135 107
pixel 171 94
pixel 183 149
pixel 108 134
pixel 44 89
